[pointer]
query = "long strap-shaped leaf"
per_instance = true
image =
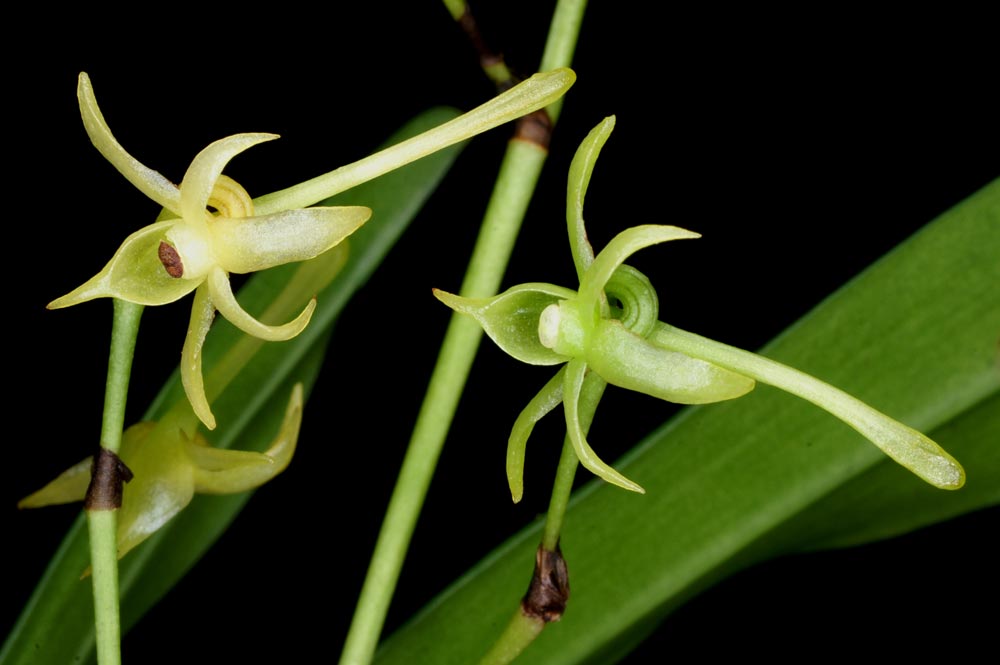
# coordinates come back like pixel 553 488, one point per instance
pixel 915 335
pixel 57 625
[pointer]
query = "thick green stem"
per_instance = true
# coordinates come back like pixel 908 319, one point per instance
pixel 102 521
pixel 519 633
pixel 515 184
pixel 518 174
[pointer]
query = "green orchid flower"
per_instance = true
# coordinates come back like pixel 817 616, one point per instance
pixel 168 467
pixel 610 327
pixel 195 249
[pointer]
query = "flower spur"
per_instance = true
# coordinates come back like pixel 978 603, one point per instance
pixel 543 324
pixel 196 251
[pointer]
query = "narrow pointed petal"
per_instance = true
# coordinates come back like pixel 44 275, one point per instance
pixel 626 360
pixel 202 314
pixel 227 471
pixel 134 273
pixel 541 404
pixel 148 181
pixel 576 370
pixel 576 191
pixel 205 169
pixel 622 246
pixel 69 486
pixel 511 319
pixel 225 302
pixel 904 444
pixel 254 243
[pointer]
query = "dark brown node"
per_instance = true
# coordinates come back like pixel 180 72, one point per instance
pixel 170 259
pixel 107 476
pixel 548 592
pixel 536 127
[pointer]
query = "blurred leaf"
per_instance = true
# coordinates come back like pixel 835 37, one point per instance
pixel 916 336
pixel 57 624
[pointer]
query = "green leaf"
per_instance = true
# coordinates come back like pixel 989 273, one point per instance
pixel 735 483
pixel 57 624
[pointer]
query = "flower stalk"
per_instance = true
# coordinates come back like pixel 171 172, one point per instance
pixel 102 517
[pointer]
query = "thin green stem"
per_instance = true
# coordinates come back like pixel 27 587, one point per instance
pixel 492 63
pixel 523 628
pixel 590 397
pixel 103 523
pixel 456 8
pixel 561 489
pixel 124 329
pixel 561 43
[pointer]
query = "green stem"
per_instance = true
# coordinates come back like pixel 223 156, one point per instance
pixel 519 633
pixel 561 489
pixel 492 63
pixel 521 167
pixel 561 43
pixel 590 397
pixel 522 629
pixel 515 184
pixel 103 523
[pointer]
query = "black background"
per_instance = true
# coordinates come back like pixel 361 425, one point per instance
pixel 801 147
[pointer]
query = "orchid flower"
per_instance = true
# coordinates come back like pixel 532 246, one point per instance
pixel 543 324
pixel 168 467
pixel 196 250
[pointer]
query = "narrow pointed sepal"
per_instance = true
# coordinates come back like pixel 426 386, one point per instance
pixel 511 318
pixel 576 370
pixel 227 471
pixel 146 180
pixel 541 404
pixel 67 487
pixel 135 273
pixel 580 171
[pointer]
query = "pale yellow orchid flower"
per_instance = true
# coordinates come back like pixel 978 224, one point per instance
pixel 196 250
pixel 168 467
